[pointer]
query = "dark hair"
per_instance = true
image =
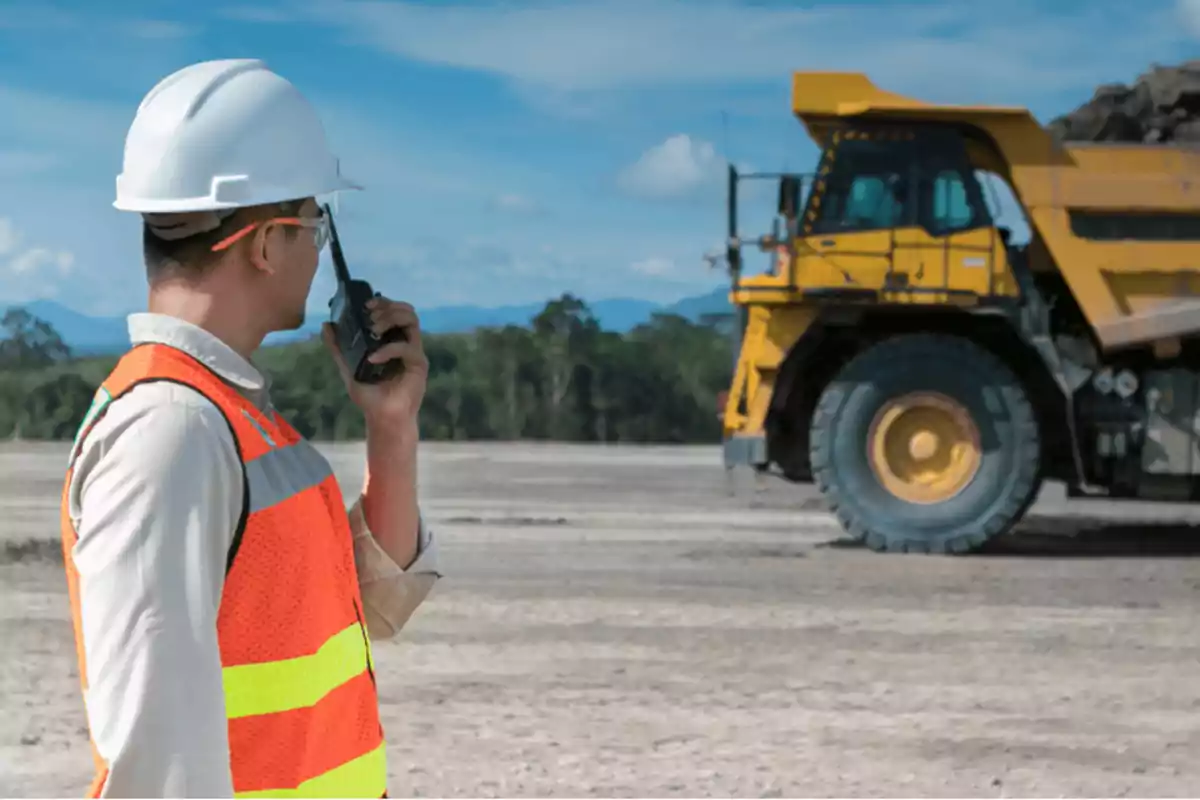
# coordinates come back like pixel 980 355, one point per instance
pixel 193 256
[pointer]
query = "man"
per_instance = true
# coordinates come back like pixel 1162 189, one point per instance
pixel 222 594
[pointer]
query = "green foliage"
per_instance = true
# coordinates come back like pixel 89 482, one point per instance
pixel 28 342
pixel 562 377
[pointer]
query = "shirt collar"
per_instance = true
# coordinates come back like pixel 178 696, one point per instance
pixel 150 328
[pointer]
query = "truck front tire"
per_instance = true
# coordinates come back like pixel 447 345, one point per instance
pixel 925 443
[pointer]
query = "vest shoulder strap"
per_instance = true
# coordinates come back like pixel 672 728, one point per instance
pixel 154 363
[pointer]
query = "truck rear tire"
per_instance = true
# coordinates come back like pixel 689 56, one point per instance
pixel 926 443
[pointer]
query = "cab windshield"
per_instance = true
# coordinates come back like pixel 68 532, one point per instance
pixel 886 179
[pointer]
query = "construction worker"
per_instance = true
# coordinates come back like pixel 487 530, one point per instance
pixel 223 597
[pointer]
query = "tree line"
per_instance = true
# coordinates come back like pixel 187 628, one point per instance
pixel 561 377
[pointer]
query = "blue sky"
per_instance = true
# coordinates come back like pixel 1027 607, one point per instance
pixel 513 150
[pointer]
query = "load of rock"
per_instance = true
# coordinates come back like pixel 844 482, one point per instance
pixel 1163 105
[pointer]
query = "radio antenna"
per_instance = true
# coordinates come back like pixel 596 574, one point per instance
pixel 335 249
pixel 725 136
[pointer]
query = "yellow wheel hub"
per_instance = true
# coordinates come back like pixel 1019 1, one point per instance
pixel 923 447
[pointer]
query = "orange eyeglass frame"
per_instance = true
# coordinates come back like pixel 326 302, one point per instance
pixel 317 224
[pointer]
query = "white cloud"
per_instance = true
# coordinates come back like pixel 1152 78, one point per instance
pixel 35 259
pixel 960 49
pixel 513 202
pixel 577 45
pixel 1189 13
pixel 676 167
pixel 29 272
pixel 654 267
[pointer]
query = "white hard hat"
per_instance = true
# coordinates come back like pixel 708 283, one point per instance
pixel 224 134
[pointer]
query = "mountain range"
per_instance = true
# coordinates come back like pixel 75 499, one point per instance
pixel 87 335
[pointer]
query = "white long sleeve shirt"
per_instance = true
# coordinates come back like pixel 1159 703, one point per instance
pixel 155 498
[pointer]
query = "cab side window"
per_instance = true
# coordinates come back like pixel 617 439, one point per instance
pixel 951 210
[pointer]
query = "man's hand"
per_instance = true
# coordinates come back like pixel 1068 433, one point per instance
pixel 393 403
pixel 389 498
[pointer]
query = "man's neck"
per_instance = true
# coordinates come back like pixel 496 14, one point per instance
pixel 205 311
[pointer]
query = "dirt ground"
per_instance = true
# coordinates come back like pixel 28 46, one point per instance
pixel 614 623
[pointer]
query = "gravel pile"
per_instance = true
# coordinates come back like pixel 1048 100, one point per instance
pixel 1163 105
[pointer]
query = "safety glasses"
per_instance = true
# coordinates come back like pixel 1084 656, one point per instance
pixel 319 225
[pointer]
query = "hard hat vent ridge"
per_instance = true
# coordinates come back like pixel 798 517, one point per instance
pixel 235 67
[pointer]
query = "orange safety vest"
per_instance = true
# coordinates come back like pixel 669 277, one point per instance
pixel 299 682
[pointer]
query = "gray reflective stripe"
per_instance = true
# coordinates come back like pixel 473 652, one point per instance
pixel 284 472
pixel 266 436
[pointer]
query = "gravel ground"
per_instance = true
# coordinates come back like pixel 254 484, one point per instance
pixel 617 622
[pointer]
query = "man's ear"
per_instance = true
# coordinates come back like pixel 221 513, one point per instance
pixel 263 248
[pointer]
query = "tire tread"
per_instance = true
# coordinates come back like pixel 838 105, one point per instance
pixel 892 354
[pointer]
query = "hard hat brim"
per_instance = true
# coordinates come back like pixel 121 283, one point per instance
pixel 176 206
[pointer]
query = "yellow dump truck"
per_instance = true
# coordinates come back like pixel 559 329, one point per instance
pixel 927 371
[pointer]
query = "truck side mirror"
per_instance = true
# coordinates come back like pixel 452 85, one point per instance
pixel 789 196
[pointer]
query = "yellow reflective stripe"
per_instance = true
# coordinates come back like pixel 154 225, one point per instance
pixel 252 689
pixel 365 776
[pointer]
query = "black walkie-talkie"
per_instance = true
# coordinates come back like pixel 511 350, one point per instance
pixel 352 321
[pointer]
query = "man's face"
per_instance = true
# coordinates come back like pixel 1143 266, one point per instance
pixel 294 258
